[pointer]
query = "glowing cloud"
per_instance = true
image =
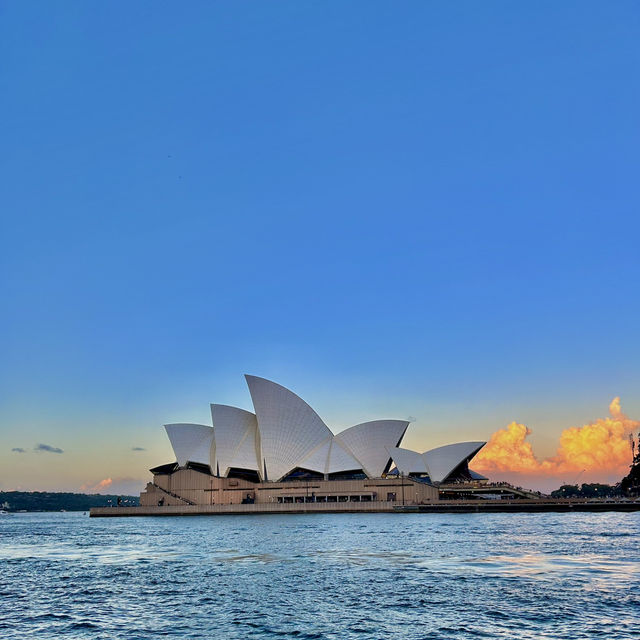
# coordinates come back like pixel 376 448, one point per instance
pixel 115 485
pixel 103 484
pixel 600 446
pixel 507 450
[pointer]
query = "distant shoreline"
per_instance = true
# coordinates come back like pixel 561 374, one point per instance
pixel 48 501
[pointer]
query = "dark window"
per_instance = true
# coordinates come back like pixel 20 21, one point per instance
pixel 244 474
pixel 354 474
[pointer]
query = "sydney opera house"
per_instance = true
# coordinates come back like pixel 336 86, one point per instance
pixel 283 452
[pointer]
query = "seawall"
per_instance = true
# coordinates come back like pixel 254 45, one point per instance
pixel 443 506
pixel 244 509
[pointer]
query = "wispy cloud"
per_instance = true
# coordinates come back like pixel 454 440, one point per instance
pixel 18 450
pixel 47 448
pixel 138 449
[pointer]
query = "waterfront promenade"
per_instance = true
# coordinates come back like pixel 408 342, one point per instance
pixel 439 506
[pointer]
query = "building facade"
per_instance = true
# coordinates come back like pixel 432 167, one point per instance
pixel 284 452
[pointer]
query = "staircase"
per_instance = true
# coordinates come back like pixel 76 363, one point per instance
pixel 173 495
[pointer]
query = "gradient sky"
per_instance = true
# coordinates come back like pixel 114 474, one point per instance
pixel 425 209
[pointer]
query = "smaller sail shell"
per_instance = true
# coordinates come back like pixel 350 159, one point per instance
pixel 369 443
pixel 191 442
pixel 235 438
pixel 441 461
pixel 408 461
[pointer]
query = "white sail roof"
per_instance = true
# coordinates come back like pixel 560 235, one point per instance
pixel 317 459
pixel 285 433
pixel 191 442
pixel 330 457
pixel 408 461
pixel 235 438
pixel 441 461
pixel 289 429
pixel 368 443
pixel 340 459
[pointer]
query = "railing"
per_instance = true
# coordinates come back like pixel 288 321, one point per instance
pixel 499 488
pixel 173 495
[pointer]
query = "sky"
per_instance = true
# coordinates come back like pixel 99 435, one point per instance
pixel 417 209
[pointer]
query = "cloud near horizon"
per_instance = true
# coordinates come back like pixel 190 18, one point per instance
pixel 122 485
pixel 600 447
pixel 18 450
pixel 138 449
pixel 103 484
pixel 47 448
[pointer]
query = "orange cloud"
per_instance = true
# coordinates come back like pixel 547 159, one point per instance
pixel 507 450
pixel 103 484
pixel 601 446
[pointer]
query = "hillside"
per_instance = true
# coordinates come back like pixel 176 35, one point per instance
pixel 51 501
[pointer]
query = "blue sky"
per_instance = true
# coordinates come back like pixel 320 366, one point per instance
pixel 423 209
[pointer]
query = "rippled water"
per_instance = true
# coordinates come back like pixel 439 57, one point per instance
pixel 404 576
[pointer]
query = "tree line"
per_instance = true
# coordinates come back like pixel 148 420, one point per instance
pixel 53 501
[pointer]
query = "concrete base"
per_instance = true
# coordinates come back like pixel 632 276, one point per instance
pixel 244 509
pixel 562 505
pixel 453 506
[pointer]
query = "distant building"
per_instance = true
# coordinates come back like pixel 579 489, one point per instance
pixel 284 452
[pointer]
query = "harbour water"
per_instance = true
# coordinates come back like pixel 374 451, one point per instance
pixel 333 576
